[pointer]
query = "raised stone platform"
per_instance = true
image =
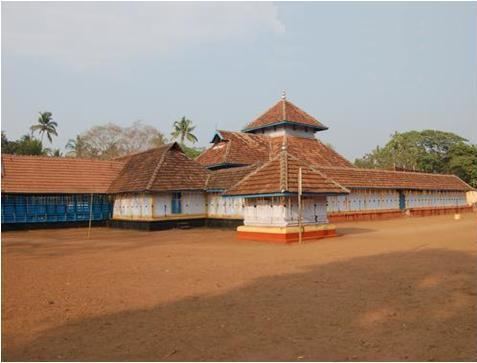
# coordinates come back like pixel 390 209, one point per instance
pixel 285 234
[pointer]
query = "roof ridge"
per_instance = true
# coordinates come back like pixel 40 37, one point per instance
pixel 284 109
pixel 246 176
pixel 47 157
pixel 386 170
pixel 304 113
pixel 158 166
pixel 145 151
pixel 256 171
pixel 209 175
pixel 284 164
pixel 227 151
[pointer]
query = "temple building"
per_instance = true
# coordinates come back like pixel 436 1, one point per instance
pixel 248 180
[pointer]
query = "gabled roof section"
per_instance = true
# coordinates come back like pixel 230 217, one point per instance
pixel 165 168
pixel 386 179
pixel 236 148
pixel 284 112
pixel 57 175
pixel 279 176
pixel 222 179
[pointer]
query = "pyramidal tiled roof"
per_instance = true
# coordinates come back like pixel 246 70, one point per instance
pixel 164 168
pixel 280 176
pixel 284 111
pixel 240 148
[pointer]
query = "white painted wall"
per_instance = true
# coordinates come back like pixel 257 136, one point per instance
pixel 283 211
pixel 361 200
pixel 147 206
pixel 224 207
pixel 471 197
pixel 417 199
pixel 132 206
pixel 276 211
pixel 287 130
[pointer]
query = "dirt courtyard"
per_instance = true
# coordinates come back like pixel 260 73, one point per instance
pixel 390 290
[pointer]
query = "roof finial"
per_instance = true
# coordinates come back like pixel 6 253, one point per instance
pixel 284 95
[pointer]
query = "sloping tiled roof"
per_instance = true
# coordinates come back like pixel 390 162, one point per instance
pixel 377 178
pixel 223 179
pixel 244 149
pixel 280 176
pixel 312 151
pixel 284 111
pixel 161 169
pixel 43 174
pixel 237 148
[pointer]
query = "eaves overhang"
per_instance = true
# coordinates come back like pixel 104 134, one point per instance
pixel 284 123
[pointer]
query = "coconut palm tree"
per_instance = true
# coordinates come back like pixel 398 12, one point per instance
pixel 182 130
pixel 45 125
pixel 77 147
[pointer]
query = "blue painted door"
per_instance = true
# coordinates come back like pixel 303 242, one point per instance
pixel 176 203
pixel 402 201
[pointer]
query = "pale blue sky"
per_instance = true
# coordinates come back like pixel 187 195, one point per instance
pixel 363 69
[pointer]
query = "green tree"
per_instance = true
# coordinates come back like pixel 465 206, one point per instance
pixel 182 130
pixel 28 145
pixel 462 161
pixel 45 125
pixel 77 147
pixel 431 151
pixel 8 147
pixel 192 152
pixel 55 152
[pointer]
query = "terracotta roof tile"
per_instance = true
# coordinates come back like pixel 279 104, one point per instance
pixel 161 169
pixel 312 151
pixel 42 174
pixel 376 178
pixel 237 148
pixel 223 179
pixel 244 149
pixel 283 111
pixel 280 175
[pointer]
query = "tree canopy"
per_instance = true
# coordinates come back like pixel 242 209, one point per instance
pixel 45 125
pixel 26 145
pixel 431 151
pixel 182 130
pixel 110 141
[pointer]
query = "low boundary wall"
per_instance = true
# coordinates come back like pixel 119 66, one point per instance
pixel 395 213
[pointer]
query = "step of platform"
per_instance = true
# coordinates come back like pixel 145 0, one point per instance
pixel 183 225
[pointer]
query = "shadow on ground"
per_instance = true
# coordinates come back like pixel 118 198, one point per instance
pixel 398 306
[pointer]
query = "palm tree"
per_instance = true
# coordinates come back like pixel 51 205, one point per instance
pixel 183 130
pixel 77 147
pixel 45 125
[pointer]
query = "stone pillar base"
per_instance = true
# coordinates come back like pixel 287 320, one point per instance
pixel 285 234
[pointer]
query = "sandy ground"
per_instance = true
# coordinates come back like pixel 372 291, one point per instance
pixel 390 290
